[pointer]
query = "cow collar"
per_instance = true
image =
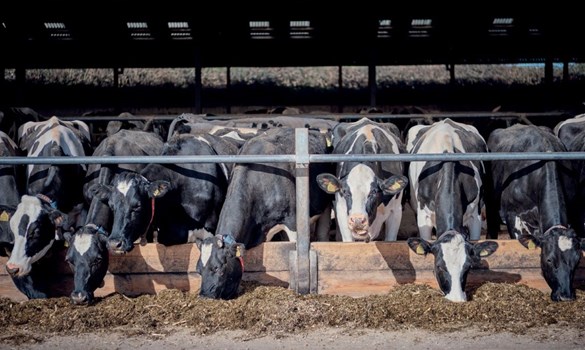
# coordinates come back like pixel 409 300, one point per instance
pixel 99 229
pixel 553 227
pixel 47 200
pixel 151 217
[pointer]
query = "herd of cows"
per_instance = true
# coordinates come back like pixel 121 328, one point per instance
pixel 102 209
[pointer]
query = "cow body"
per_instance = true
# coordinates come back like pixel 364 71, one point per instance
pixel 88 253
pixel 11 190
pixel 571 132
pixel 54 193
pixel 367 194
pixel 532 196
pixel 188 196
pixel 260 202
pixel 446 195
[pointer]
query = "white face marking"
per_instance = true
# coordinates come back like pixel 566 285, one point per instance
pixel 206 249
pixel 454 256
pixel 565 243
pixel 82 242
pixel 233 135
pixel 124 186
pixel 521 226
pixel 359 180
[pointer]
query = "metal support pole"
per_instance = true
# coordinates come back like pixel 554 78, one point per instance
pixel 372 84
pixel 451 68
pixel 198 85
pixel 302 278
pixel 340 89
pixel 548 71
pixel 228 84
pixel 20 75
pixel 565 71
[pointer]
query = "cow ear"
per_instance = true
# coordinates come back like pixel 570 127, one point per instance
pixel 394 184
pixel 529 241
pixel 158 188
pixel 484 249
pixel 328 183
pixel 419 245
pixel 100 191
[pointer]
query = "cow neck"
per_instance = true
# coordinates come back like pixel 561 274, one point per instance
pixel 47 200
pixel 553 227
pixel 151 217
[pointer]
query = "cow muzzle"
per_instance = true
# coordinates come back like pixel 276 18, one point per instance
pixel 117 246
pixel 81 298
pixel 358 224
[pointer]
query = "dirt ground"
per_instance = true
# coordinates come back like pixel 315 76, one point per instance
pixel 341 339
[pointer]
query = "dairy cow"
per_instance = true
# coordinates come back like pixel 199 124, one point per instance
pixel 533 196
pixel 571 132
pixel 53 202
pixel 11 190
pixel 454 256
pixel 260 203
pixel 367 194
pixel 88 253
pixel 446 195
pixel 174 199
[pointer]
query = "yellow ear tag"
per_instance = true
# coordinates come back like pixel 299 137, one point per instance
pixel 329 143
pixel 238 251
pixel 4 216
pixel 156 192
pixel 331 187
pixel 420 250
pixel 395 186
pixel 66 244
pixel 531 245
pixel 483 253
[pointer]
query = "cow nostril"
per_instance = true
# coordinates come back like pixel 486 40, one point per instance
pixel 12 269
pixel 79 298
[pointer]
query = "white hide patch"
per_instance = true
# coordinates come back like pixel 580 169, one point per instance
pixel 454 256
pixel 82 243
pixel 565 243
pixel 521 226
pixel 206 249
pixel 123 187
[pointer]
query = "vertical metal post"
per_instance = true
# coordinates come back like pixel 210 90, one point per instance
pixel 565 71
pixel 228 84
pixel 548 71
pixel 451 69
pixel 303 280
pixel 372 84
pixel 340 89
pixel 198 85
pixel 20 76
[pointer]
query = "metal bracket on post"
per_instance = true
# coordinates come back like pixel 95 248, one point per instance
pixel 303 261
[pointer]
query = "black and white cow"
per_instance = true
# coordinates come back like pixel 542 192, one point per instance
pixel 176 199
pixel 533 197
pixel 88 253
pixel 571 132
pixel 367 194
pixel 454 257
pixel 54 200
pixel 446 195
pixel 260 203
pixel 11 190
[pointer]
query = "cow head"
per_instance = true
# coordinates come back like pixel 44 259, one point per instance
pixel 220 265
pixel 363 193
pixel 35 225
pixel 88 257
pixel 131 197
pixel 454 256
pixel 559 256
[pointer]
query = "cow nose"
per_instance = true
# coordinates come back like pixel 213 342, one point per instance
pixel 79 298
pixel 115 245
pixel 12 269
pixel 562 296
pixel 358 220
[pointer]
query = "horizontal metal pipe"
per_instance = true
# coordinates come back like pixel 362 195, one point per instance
pixel 315 158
